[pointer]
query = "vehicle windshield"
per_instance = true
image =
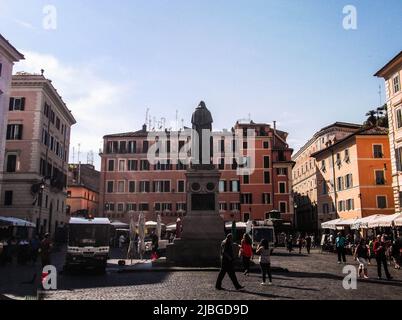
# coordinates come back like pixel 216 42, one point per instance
pixel 263 233
pixel 83 235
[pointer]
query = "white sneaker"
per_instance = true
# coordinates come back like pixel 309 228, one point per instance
pixel 270 283
pixel 263 283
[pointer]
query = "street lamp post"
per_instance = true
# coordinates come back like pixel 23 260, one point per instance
pixel 295 216
pixel 41 189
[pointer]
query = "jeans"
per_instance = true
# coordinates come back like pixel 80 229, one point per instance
pixel 341 254
pixel 266 269
pixel 381 259
pixel 246 264
pixel 229 269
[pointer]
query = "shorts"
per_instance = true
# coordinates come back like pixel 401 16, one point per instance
pixel 362 262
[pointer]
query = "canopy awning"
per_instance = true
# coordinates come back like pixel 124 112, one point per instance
pixel 338 223
pixel 121 225
pixel 15 222
pixel 386 221
pixel 363 223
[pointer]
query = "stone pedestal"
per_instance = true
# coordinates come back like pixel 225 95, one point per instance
pixel 203 228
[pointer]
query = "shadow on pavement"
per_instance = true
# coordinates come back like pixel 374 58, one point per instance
pixel 260 294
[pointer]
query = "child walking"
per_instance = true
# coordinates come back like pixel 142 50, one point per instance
pixel 265 261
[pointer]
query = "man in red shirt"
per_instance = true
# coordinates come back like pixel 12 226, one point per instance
pixel 379 251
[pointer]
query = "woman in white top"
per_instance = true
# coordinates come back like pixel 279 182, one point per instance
pixel 265 261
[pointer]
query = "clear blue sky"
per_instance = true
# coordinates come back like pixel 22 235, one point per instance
pixel 283 60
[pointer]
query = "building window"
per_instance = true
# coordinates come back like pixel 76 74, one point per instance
pixel 120 186
pixel 17 104
pixel 348 181
pixel 14 132
pixel 132 165
pixel 381 202
pixel 161 186
pixel 325 208
pixel 181 206
pixel 110 165
pixel 8 198
pixel 143 207
pixel 266 144
pixel 246 179
pixel 398 156
pixel 347 158
pixel 120 207
pixel 266 162
pixel 323 168
pixel 222 186
pixel 267 177
pixel 377 151
pixel 396 84
pixel 341 206
pixel 235 206
pixel 282 187
pixel 350 205
pixel 283 207
pixel 11 163
pixel 266 198
pixel 324 187
pixel 379 177
pixel 235 186
pixel 144 165
pixel 131 207
pixel 223 206
pixel 145 186
pixel 246 217
pixel 110 186
pixel 339 183
pixel 1 68
pixel 399 118
pixel 181 186
pixel 246 198
pixel 282 171
pixel 122 165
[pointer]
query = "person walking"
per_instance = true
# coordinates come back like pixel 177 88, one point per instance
pixel 361 255
pixel 300 242
pixel 227 264
pixel 265 261
pixel 35 245
pixel 395 254
pixel 340 243
pixel 155 246
pixel 45 250
pixel 380 257
pixel 289 243
pixel 308 243
pixel 371 248
pixel 246 253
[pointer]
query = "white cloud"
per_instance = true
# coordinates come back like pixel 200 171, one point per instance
pixel 97 103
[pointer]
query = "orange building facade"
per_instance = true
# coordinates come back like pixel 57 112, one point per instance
pixel 83 190
pixel 355 178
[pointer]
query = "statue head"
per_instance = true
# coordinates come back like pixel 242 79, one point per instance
pixel 202 105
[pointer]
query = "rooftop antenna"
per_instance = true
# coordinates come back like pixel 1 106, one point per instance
pixel 73 155
pixel 249 117
pixel 79 163
pixel 146 116
pixel 154 123
pixel 163 123
pixel 79 152
pixel 182 124
pixel 177 120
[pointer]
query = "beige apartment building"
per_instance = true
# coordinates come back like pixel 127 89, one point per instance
pixel 37 144
pixel 354 176
pixel 8 56
pixel 392 73
pixel 309 213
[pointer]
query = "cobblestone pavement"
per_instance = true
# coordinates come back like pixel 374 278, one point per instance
pixel 314 277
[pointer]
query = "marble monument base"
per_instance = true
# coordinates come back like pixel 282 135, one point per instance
pixel 200 244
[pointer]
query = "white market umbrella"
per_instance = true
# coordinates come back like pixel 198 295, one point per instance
pixel 141 234
pixel 332 224
pixel 385 221
pixel 363 223
pixel 159 226
pixel 398 221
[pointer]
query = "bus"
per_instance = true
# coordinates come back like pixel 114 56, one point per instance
pixel 88 243
pixel 262 230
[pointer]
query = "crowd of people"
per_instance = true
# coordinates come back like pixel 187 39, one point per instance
pixel 23 251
